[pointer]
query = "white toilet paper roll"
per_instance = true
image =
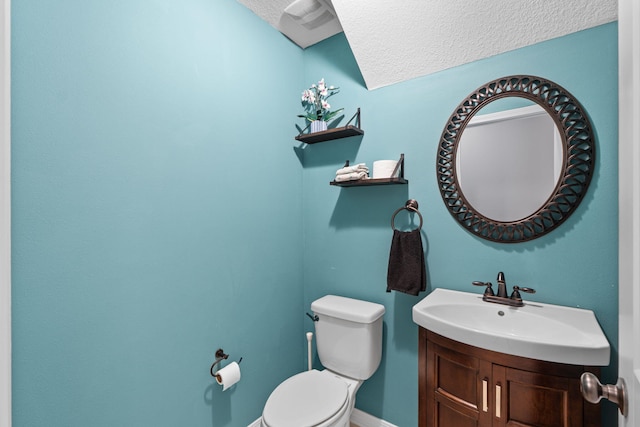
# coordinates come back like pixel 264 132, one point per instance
pixel 228 376
pixel 384 168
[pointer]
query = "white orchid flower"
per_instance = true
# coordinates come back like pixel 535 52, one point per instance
pixel 315 101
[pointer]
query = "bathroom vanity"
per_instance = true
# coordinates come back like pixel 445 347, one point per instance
pixel 462 385
pixel 486 364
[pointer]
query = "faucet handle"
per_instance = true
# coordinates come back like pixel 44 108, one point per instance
pixel 488 291
pixel 516 295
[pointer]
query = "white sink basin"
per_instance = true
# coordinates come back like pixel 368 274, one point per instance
pixel 539 331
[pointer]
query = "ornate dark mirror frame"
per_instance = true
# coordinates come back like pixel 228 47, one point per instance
pixel 577 166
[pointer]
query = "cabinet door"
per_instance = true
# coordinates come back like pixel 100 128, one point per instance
pixel 535 399
pixel 457 389
pixel 465 386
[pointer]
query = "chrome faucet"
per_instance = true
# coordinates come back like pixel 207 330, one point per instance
pixel 514 300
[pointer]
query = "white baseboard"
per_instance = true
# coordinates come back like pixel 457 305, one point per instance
pixel 358 417
pixel 365 420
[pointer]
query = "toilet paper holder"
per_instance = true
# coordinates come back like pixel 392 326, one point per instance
pixel 220 356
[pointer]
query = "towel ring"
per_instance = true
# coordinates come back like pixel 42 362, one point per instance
pixel 412 206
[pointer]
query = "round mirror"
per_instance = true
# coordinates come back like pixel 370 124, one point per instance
pixel 515 159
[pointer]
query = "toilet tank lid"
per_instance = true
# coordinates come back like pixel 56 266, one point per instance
pixel 350 309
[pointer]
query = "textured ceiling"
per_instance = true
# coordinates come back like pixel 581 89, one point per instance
pixel 394 41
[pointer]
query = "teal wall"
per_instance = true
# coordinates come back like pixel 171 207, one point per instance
pixel 161 208
pixel 156 212
pixel 348 233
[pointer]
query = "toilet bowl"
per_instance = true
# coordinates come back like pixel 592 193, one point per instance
pixel 311 399
pixel 349 344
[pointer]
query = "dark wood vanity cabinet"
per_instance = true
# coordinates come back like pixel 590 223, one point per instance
pixel 466 386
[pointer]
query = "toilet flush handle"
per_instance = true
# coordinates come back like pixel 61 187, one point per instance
pixel 315 317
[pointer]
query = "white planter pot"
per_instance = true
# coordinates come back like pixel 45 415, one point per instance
pixel 318 126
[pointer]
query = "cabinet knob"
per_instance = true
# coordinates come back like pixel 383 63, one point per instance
pixel 593 391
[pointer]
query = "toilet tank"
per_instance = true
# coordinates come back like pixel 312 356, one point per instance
pixel 349 335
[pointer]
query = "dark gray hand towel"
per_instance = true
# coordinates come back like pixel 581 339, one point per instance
pixel 407 272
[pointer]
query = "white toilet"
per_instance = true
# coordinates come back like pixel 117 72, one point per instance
pixel 349 345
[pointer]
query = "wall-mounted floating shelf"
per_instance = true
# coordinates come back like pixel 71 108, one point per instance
pixel 330 134
pixel 373 181
pixel 377 181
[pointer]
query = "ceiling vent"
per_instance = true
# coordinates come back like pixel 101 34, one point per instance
pixel 311 14
pixel 307 22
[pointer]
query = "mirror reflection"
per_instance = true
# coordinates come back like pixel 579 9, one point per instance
pixel 509 160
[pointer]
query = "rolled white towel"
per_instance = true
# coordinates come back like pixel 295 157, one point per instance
pixel 360 167
pixel 354 176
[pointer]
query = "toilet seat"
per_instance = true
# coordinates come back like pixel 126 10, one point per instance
pixel 310 398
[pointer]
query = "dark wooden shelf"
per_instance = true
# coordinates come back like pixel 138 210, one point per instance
pixel 396 180
pixel 366 182
pixel 329 134
pixel 335 133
